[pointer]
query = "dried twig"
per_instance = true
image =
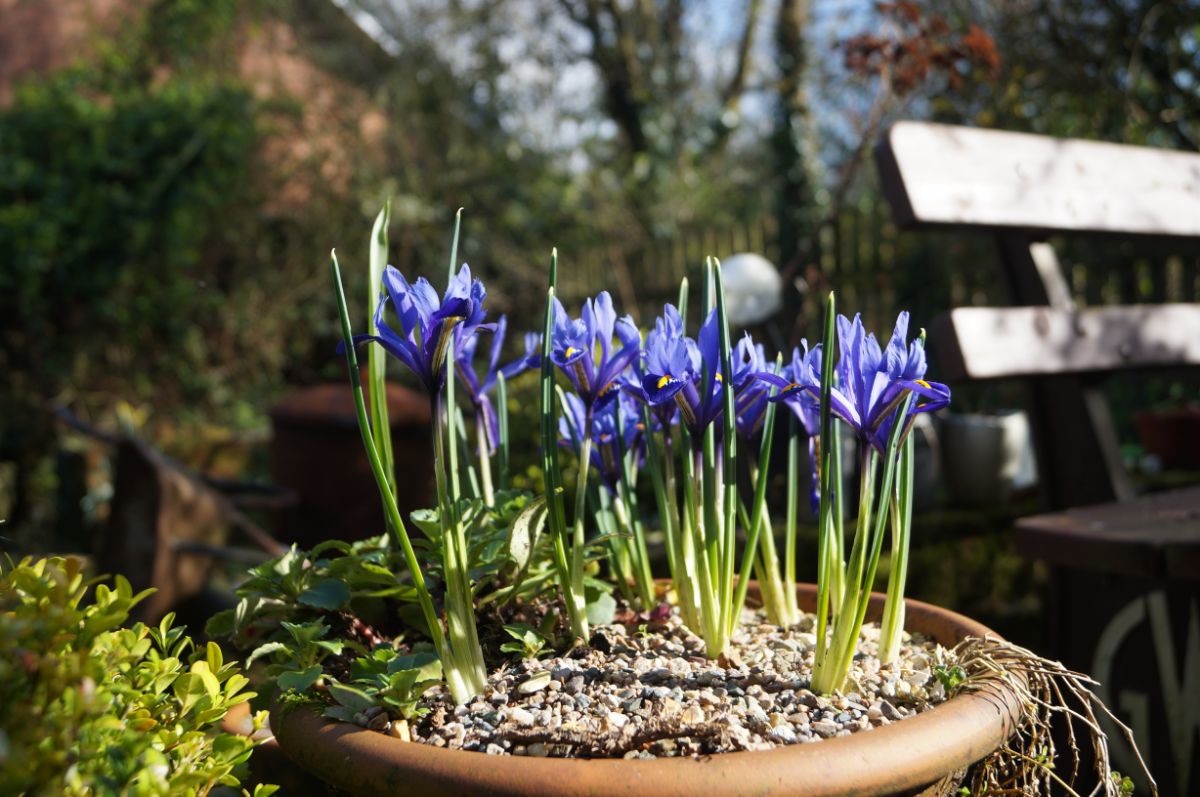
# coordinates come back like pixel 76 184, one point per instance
pixel 1047 689
pixel 592 743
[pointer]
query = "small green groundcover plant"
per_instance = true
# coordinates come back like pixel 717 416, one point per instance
pixel 667 433
pixel 93 708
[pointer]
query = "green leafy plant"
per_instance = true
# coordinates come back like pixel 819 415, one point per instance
pixel 340 624
pixel 94 708
pixel 529 642
pixel 950 677
pixel 388 679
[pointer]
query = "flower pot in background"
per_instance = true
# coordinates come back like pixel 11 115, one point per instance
pixel 987 457
pixel 317 452
pixel 1171 435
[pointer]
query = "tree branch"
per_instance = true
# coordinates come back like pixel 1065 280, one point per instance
pixel 621 98
pixel 731 95
pixel 737 81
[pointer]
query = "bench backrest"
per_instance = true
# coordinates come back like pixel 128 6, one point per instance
pixel 1021 188
pixel 942 175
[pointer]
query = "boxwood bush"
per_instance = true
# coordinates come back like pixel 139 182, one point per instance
pixel 91 707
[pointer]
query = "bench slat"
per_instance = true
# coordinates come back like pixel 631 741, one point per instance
pixel 937 175
pixel 989 343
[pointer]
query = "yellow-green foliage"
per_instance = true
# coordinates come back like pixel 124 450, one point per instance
pixel 90 707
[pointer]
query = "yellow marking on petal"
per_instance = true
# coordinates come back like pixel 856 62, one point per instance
pixel 923 384
pixel 719 378
pixel 664 381
pixel 572 351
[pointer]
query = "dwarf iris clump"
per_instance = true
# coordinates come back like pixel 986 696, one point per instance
pixel 878 394
pixel 424 343
pixel 695 415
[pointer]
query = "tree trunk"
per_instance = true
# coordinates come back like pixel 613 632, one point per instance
pixel 794 197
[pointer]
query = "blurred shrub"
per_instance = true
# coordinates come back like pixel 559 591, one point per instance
pixel 105 203
pixel 143 265
pixel 93 708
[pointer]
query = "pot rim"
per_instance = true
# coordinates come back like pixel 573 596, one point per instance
pixel 896 758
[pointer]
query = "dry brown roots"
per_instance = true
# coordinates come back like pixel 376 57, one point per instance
pixel 1049 692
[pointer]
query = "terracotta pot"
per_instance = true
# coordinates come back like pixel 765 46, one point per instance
pixel 924 754
pixel 1171 435
pixel 317 453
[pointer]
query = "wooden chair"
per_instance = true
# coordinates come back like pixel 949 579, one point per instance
pixel 168 526
pixel 1125 571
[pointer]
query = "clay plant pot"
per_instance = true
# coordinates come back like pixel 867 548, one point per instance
pixel 923 754
pixel 1171 435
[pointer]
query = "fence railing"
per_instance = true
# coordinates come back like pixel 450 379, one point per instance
pixel 878 269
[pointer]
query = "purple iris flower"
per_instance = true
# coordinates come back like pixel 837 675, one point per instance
pixel 800 387
pixel 673 367
pixel 750 393
pixel 427 322
pixel 465 346
pixel 668 327
pixel 615 430
pixel 574 344
pixel 871 382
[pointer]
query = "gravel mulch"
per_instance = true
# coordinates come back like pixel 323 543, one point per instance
pixel 631 694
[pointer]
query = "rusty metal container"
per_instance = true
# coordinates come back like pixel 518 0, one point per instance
pixel 317 452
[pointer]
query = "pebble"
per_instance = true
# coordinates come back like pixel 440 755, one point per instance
pixel 825 729
pixel 399 729
pixel 521 717
pixel 657 675
pixel 783 734
pixel 535 683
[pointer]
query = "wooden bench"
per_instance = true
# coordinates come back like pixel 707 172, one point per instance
pixel 1125 570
